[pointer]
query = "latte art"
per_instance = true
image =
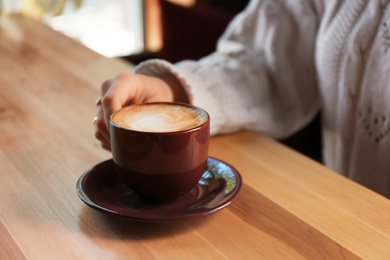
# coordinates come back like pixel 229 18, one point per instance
pixel 161 122
pixel 159 117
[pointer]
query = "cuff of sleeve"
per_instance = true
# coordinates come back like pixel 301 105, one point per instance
pixel 157 68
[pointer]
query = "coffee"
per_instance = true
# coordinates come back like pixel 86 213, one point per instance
pixel 159 117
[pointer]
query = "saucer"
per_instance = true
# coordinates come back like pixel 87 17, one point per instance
pixel 100 189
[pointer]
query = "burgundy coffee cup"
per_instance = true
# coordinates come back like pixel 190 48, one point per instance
pixel 160 165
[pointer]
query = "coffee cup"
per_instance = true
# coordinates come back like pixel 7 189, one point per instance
pixel 160 150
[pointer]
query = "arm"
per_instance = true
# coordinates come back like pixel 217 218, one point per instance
pixel 262 75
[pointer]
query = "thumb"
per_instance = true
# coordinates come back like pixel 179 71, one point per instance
pixel 109 106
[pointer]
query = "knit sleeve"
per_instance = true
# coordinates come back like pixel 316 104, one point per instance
pixel 262 75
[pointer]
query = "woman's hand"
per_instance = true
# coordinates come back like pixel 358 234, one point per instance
pixel 129 88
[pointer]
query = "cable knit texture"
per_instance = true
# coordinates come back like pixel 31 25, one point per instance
pixel 279 61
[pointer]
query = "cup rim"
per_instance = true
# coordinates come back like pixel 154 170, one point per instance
pixel 162 133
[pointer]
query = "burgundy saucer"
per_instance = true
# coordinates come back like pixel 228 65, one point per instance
pixel 100 189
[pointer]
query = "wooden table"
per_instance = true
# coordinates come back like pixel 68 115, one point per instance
pixel 290 207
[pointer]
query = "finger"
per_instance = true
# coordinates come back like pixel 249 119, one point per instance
pixel 105 86
pixel 101 131
pixel 106 147
pixel 104 143
pixel 109 105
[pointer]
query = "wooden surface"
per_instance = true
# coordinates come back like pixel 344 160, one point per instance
pixel 290 207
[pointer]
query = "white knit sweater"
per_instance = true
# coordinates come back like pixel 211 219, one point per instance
pixel 281 60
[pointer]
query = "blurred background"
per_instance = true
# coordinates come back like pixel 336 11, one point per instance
pixel 123 28
pixel 112 28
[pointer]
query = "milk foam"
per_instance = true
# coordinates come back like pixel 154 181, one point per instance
pixel 159 118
